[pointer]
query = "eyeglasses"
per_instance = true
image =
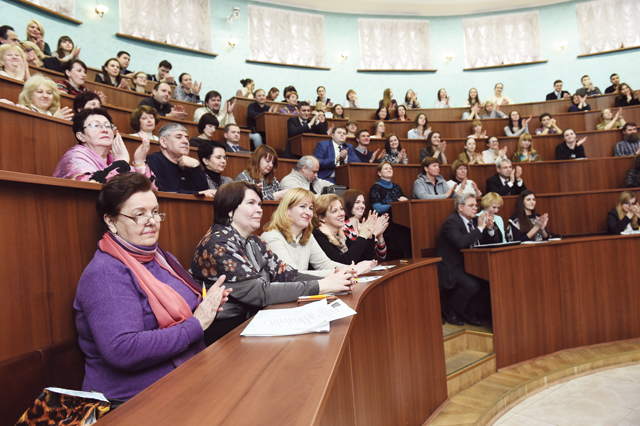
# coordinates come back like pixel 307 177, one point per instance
pixel 630 203
pixel 97 125
pixel 473 206
pixel 158 217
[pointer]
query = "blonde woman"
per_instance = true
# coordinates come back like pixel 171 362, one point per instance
pixel 608 121
pixel 41 94
pixel 525 152
pixel 13 62
pixel 624 217
pixel 35 33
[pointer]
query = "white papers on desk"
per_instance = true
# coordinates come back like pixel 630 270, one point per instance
pixel 631 232
pixel 367 279
pixel 382 267
pixel 311 318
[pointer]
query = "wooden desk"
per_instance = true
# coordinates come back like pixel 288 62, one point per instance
pixel 555 296
pixel 242 104
pixel 383 366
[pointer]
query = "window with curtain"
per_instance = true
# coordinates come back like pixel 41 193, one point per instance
pixel 184 23
pixel 608 25
pixel 502 39
pixel 394 44
pixel 64 7
pixel 286 37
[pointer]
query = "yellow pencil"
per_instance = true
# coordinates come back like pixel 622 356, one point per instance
pixel 204 291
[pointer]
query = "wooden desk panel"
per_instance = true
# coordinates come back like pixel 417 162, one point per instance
pixel 242 104
pixel 275 127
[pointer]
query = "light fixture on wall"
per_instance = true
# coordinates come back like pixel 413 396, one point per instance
pixel 562 44
pixel 235 13
pixel 101 9
pixel 345 54
pixel 232 42
pixel 449 55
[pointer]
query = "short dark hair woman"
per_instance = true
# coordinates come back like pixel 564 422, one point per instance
pixel 144 119
pixel 213 158
pixel 206 129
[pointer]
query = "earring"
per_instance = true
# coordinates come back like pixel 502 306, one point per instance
pixel 230 219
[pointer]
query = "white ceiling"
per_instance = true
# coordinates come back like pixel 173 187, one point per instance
pixel 413 7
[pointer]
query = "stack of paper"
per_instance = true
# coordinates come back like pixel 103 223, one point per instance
pixel 310 318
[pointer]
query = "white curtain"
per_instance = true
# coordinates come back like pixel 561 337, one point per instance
pixel 502 39
pixel 65 7
pixel 394 44
pixel 183 23
pixel 286 37
pixel 608 25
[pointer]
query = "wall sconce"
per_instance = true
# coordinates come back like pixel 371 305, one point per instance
pixel 235 13
pixel 449 55
pixel 232 42
pixel 101 9
pixel 562 44
pixel 345 54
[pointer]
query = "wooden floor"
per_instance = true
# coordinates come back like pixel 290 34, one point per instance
pixel 484 402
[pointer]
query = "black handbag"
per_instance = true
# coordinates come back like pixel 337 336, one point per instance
pixel 334 189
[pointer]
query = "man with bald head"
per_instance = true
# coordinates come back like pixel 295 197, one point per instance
pixel 305 176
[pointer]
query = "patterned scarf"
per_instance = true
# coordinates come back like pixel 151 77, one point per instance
pixel 339 240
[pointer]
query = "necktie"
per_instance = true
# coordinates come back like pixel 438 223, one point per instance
pixel 236 148
pixel 311 188
pixel 304 122
pixel 559 93
pixel 470 225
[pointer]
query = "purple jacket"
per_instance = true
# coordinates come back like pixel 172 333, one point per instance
pixel 118 333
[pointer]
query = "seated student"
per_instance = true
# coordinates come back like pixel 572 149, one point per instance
pixel 626 96
pixel 206 128
pixel 473 113
pixel 86 100
pixel 66 49
pixel 13 62
pixel 498 98
pixel 478 133
pixel 508 180
pixel 273 94
pixel 493 153
pixel 333 153
pixel 379 130
pixel 187 90
pixel 463 295
pixel 420 130
pixel 624 217
pixel 174 169
pixel 352 99
pixel 99 154
pixel 382 113
pixel 352 128
pixel 517 125
pixel 526 224
pixel 292 103
pixel 212 103
pixel 35 57
pixel 629 144
pixel 393 151
pixel 587 89
pixel 443 101
pixel 110 75
pixel 460 177
pixel 579 103
pixel 144 119
pixel 232 140
pixel 430 185
pixel 338 112
pixel 608 121
pixel 491 203
pixel 362 150
pixel 387 100
pixel 548 125
pixel 355 226
pixel 139 80
pixel 305 176
pixel 139 314
pixel 558 93
pixel 237 210
pixel 289 235
pixel 473 98
pixel 492 111
pixel 248 86
pixel 571 148
pixel 322 97
pixel 469 155
pixel 35 34
pixel 160 102
pixel 615 82
pixel 261 171
pixel 401 114
pixel 435 148
pixel 411 100
pixel 632 177
pixel 41 94
pixel 76 72
pixel 301 123
pixel 525 152
pixel 8 35
pixel 124 58
pixel 163 76
pixel 288 90
pixel 213 159
pixel 253 111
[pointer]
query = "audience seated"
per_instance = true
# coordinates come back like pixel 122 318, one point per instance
pixel 558 93
pixel 443 101
pixel 356 227
pixel 411 100
pixel 110 75
pixel 123 59
pixel 435 148
pixel 547 125
pixel 469 155
pixel 498 98
pixel 430 185
pixel 493 111
pixel 100 154
pixel 248 86
pixel 273 94
pixel 333 153
pixel 493 153
pixel 159 101
pixel 460 174
pixel 579 103
pixel 253 111
pixel 420 130
pixel 626 96
pixel 86 100
pixel 352 100
pixel 144 119
pixel 8 35
pixel 379 130
pixel 322 97
pixel 464 296
pixel 525 152
pixel 230 249
pixel 261 171
pixel 393 151
pixel 66 49
pixel 163 76
pixel 401 114
pixel 212 103
pixel 76 72
pixel 232 138
pixel 473 113
pixel 352 128
pixel 35 34
pixel 624 217
pixel 301 124
pixel 36 58
pixel 213 159
pixel 491 203
pixel 362 150
pixel 526 224
pixel 41 94
pixel 608 121
pixel 292 102
pixel 206 128
pixel 13 62
pixel 587 89
pixel 517 125
pixel 338 111
pixel 382 113
pixel 387 100
pixel 187 90
pixel 175 171
pixel 629 144
pixel 473 98
pixel 139 80
pixel 305 176
pixel 508 180
pixel 476 127
pixel 571 148
pixel 615 82
pixel 632 177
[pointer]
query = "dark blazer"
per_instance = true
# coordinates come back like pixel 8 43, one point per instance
pixel 494 184
pixel 615 225
pixel 227 148
pixel 327 158
pixel 358 250
pixel 295 128
pixel 552 96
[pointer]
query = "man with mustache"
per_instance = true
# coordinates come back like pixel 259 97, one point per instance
pixel 629 145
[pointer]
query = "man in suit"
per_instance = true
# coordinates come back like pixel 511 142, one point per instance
pixel 558 93
pixel 334 152
pixel 508 180
pixel 299 124
pixel 232 138
pixel 463 295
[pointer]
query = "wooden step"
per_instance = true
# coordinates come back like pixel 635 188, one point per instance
pixel 469 359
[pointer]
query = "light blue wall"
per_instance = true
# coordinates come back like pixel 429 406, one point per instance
pixel 523 83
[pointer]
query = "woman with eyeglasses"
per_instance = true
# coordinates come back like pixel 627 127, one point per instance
pixel 100 153
pixel 138 312
pixel 624 217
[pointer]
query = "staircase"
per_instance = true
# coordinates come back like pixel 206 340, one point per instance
pixel 469 359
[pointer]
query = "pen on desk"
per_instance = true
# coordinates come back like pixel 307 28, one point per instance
pixel 204 291
pixel 319 296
